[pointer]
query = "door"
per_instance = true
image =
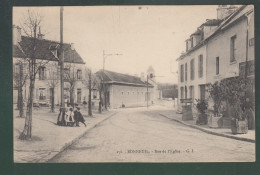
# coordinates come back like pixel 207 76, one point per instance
pixel 202 92
pixel 78 96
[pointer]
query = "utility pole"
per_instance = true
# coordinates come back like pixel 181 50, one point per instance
pixel 61 58
pixel 147 91
pixel 105 55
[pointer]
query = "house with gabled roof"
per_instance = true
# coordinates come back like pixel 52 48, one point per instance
pixel 124 90
pixel 48 73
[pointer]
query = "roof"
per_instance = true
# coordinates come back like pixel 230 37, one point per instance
pixel 224 24
pixel 212 22
pixel 45 50
pixel 17 52
pixel 110 77
pixel 198 32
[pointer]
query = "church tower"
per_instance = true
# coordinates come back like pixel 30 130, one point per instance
pixel 152 81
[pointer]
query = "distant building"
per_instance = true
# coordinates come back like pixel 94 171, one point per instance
pixel 217 50
pixel 47 50
pixel 126 90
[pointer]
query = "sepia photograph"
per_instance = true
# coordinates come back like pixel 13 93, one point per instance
pixel 133 84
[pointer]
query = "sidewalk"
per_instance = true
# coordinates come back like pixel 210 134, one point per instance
pixel 48 139
pixel 224 132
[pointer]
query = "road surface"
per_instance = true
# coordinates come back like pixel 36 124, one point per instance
pixel 141 135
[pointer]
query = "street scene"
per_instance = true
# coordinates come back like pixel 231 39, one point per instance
pixel 134 84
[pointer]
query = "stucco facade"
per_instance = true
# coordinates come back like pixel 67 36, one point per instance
pixel 226 45
pixel 190 88
pixel 222 42
pixel 130 96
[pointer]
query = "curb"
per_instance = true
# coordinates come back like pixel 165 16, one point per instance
pixel 210 132
pixel 66 145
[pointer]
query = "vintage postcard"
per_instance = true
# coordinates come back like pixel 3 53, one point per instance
pixel 134 84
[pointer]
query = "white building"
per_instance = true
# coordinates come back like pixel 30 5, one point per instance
pixel 46 52
pixel 218 49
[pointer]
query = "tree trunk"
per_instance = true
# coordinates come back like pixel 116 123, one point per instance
pixel 89 98
pixel 100 102
pixel 21 105
pixel 27 131
pixel 18 99
pixel 52 100
pixel 105 96
pixel 72 98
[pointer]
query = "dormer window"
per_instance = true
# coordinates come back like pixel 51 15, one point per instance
pixel 54 49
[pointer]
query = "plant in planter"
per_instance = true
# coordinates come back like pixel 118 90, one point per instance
pixel 235 92
pixel 216 93
pixel 202 106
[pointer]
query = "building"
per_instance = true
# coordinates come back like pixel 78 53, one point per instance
pixel 124 90
pixel 47 82
pixel 217 50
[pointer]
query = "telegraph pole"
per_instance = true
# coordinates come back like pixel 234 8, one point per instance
pixel 61 58
pixel 147 92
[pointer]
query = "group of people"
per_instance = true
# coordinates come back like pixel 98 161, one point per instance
pixel 70 117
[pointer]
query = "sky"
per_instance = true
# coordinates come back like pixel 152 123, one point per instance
pixel 143 35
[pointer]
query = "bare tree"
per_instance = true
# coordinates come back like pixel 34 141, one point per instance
pixel 53 82
pixel 91 81
pixel 70 76
pixel 19 78
pixel 32 22
pixel 99 86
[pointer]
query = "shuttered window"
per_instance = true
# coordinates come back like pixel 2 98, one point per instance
pixel 217 65
pixel 192 69
pixel 200 66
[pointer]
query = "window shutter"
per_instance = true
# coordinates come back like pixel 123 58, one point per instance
pixel 45 73
pixel 37 94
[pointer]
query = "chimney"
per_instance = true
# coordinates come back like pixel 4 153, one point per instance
pixel 72 46
pixel 40 35
pixel 225 10
pixel 17 35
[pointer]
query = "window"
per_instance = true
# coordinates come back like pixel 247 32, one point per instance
pixel 66 73
pixel 182 92
pixel 42 73
pixel 128 93
pixel 200 65
pixel 187 46
pixel 186 71
pixel 182 73
pixel 252 42
pixel 202 92
pixel 191 40
pixel 192 69
pixel 79 74
pixel 42 94
pixel 217 65
pixel 122 93
pixel 192 93
pixel 16 69
pixel 232 48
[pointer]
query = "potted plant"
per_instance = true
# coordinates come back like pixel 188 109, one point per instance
pixel 216 93
pixel 187 109
pixel 202 106
pixel 235 92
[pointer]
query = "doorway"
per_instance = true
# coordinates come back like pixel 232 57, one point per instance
pixel 78 96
